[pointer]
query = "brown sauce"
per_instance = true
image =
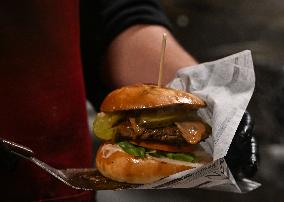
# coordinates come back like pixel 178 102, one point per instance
pixel 96 181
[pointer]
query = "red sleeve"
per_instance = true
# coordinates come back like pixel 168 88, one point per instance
pixel 42 94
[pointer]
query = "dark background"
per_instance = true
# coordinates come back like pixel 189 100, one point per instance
pixel 214 29
pixel 211 30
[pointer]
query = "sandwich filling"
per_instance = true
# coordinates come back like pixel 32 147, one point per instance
pixel 167 132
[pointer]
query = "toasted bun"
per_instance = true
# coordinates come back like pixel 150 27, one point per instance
pixel 141 96
pixel 117 165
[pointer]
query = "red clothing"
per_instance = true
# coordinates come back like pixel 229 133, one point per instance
pixel 42 96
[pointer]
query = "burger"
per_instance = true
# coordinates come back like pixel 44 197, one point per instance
pixel 148 133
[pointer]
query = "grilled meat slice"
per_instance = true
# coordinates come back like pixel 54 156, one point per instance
pixel 170 134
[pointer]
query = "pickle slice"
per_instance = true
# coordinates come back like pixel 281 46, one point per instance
pixel 103 125
pixel 162 119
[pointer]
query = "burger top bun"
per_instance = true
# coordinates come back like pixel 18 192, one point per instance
pixel 139 96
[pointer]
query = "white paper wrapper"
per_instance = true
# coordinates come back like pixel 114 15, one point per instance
pixel 226 85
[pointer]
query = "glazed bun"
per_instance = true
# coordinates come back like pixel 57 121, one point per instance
pixel 141 96
pixel 120 166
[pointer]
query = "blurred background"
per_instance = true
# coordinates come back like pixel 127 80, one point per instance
pixel 210 30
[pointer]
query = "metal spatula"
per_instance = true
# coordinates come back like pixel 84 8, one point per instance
pixel 86 179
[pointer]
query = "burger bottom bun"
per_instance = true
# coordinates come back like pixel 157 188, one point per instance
pixel 120 166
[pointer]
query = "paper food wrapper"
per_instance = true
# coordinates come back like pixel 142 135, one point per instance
pixel 226 85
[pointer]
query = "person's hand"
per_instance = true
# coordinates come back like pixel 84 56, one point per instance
pixel 242 157
pixel 8 160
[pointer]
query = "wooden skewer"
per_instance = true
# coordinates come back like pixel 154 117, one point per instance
pixel 162 59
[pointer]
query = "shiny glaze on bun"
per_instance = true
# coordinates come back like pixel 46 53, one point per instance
pixel 141 96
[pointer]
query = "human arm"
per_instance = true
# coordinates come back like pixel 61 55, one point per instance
pixel 129 65
pixel 134 56
pixel 132 44
pixel 132 34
